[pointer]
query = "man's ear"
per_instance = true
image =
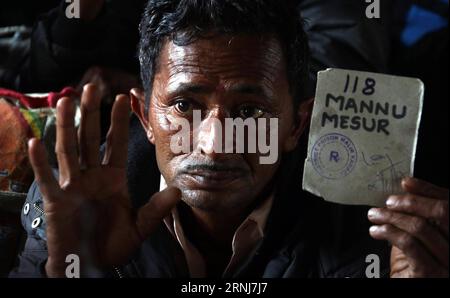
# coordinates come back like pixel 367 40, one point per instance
pixel 301 123
pixel 138 107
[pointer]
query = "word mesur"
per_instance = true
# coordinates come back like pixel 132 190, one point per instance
pixel 382 112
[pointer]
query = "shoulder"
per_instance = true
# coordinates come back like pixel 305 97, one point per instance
pixel 32 259
pixel 33 216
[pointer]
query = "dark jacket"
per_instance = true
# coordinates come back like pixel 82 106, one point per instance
pixel 305 236
pixel 61 50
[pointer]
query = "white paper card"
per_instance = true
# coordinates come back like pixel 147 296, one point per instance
pixel 363 136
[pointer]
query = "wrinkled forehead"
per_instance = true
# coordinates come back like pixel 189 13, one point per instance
pixel 224 57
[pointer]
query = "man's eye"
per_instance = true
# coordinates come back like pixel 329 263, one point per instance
pixel 183 107
pixel 251 112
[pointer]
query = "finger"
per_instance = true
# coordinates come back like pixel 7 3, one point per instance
pixel 89 132
pixel 159 206
pixel 43 173
pixel 117 139
pixel 423 188
pixel 418 227
pixel 66 141
pixel 421 262
pixel 431 209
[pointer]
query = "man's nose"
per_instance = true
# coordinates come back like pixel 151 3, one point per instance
pixel 210 134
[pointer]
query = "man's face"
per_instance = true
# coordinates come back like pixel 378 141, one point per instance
pixel 223 77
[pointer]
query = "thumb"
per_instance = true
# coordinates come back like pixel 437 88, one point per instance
pixel 423 188
pixel 159 206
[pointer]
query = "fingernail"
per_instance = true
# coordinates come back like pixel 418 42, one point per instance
pixel 408 180
pixel 33 141
pixel 390 201
pixel 372 212
pixel 89 85
pixel 172 191
pixel 373 229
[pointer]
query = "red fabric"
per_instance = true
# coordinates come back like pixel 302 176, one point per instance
pixel 14 133
pixel 39 102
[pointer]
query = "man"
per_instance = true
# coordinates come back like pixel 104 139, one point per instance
pixel 223 214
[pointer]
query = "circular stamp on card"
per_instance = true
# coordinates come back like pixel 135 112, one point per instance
pixel 334 156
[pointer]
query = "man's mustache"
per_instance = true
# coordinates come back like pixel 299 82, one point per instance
pixel 201 164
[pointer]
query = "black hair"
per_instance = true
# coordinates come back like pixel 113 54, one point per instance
pixel 184 21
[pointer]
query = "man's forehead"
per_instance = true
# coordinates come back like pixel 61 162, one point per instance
pixel 252 58
pixel 220 45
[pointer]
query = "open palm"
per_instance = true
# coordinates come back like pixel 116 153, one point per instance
pixel 88 211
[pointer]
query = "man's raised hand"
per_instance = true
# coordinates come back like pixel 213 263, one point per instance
pixel 88 211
